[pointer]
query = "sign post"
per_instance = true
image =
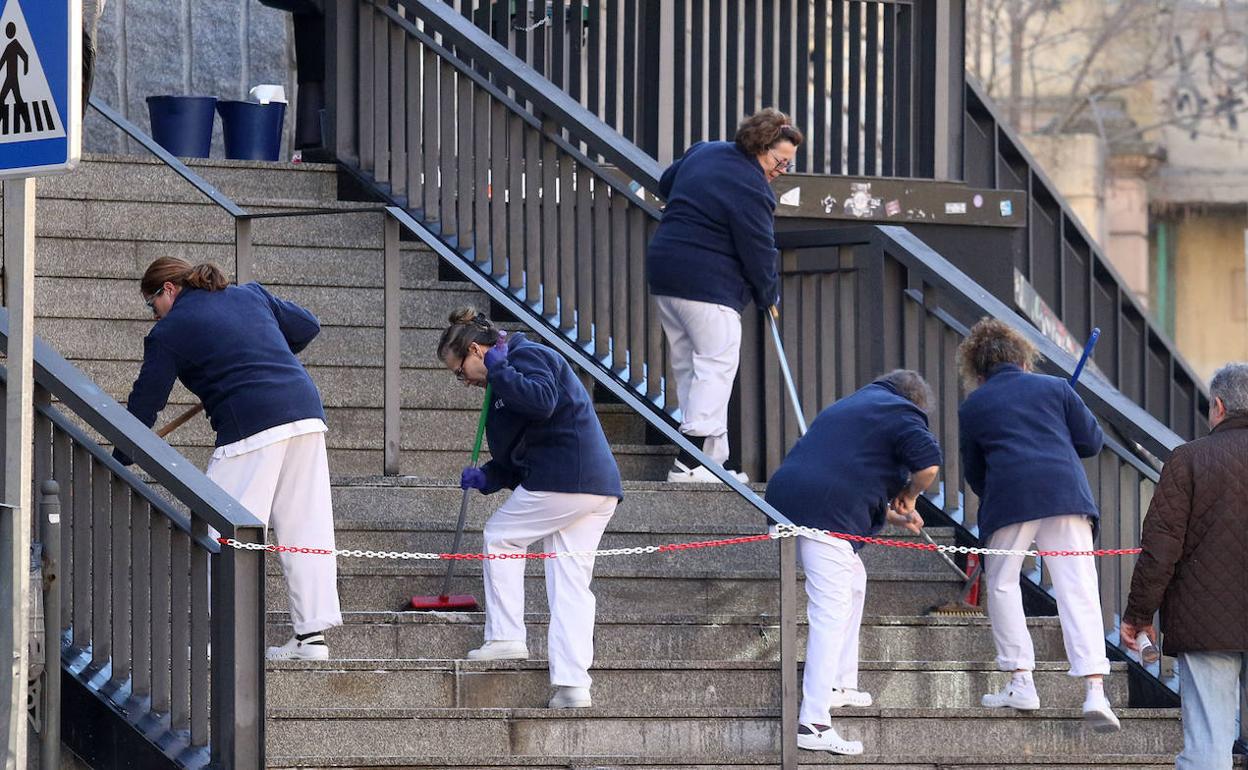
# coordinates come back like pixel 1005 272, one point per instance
pixel 40 133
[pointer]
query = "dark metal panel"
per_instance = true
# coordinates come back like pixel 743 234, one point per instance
pixel 871 121
pixel 63 473
pixel 836 139
pixel 768 97
pixel 680 84
pixel 697 73
pixel 498 190
pixel 1076 275
pixel 413 121
pixel 558 43
pixel 612 66
pixel 750 53
pixel 717 122
pixel 1131 376
pixel 732 61
pixel 817 132
pixel 1046 233
pixel 888 93
pixel 906 77
pixel 855 90
pixel 594 69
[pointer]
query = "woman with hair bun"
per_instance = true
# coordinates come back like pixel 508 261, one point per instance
pixel 234 348
pixel 1022 435
pixel 546 445
pixel 713 252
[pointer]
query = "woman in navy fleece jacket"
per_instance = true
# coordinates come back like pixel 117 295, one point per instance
pixel 546 445
pixel 1022 435
pixel 714 251
pixel 234 347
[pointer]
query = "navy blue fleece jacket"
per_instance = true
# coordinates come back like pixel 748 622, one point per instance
pixel 542 428
pixel 716 242
pixel 1021 439
pixel 235 350
pixel 856 457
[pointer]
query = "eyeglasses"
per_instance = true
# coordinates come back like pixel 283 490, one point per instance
pixel 459 371
pixel 151 301
pixel 781 165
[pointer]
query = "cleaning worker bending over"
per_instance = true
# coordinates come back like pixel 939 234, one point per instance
pixel 865 460
pixel 547 445
pixel 1022 435
pixel 234 347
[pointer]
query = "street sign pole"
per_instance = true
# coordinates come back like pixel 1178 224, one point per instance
pixel 40 133
pixel 19 281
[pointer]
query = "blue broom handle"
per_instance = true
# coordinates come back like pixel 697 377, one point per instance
pixel 1087 351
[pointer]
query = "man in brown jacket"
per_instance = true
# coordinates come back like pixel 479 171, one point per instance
pixel 1194 568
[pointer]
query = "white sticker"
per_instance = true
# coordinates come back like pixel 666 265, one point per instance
pixel 792 197
pixel 957 207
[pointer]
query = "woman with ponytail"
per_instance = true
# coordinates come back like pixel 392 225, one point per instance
pixel 546 445
pixel 234 348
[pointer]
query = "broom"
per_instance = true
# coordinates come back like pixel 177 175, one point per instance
pixel 967 603
pixel 180 420
pixel 444 600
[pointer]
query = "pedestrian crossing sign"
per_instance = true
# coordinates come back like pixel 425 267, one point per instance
pixel 40 86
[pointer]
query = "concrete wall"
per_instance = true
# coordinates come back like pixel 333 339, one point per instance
pixel 204 47
pixel 1211 320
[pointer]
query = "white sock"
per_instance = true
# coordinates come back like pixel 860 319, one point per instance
pixel 1095 687
pixel 1022 678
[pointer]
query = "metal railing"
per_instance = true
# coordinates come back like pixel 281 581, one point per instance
pixel 136 616
pixel 868 80
pixel 1075 278
pixel 844 286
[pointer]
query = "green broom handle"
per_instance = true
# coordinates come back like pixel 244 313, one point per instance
pixel 485 408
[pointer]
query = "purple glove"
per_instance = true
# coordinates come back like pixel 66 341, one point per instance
pixel 497 354
pixel 472 478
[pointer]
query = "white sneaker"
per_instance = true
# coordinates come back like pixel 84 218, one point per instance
pixel 500 650
pixel 824 738
pixel 1098 714
pixel 1017 694
pixel 853 698
pixel 570 698
pixel 699 474
pixel 311 648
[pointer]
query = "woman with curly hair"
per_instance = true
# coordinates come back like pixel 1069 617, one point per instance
pixel 714 251
pixel 1022 437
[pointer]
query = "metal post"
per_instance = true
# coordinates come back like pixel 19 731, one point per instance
pixel 788 653
pixel 244 257
pixel 236 726
pixel 392 388
pixel 950 88
pixel 19 284
pixel 50 535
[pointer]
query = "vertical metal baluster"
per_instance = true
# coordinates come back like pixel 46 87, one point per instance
pixel 870 137
pixel 381 98
pixel 160 575
pixel 430 136
pixel 637 296
pixel 802 80
pixel 532 217
pixel 585 258
pixel 568 253
pixel 200 629
pixel 84 525
pixel 480 217
pixel 836 117
pixel 550 227
pixel 716 121
pixel 121 580
pixel 855 89
pixel 397 119
pixel 905 110
pixel 63 472
pixel 628 67
pixel 819 156
pixel 499 254
pixel 414 119
pixel 889 95
pixel 619 284
pixel 368 158
pixel 102 568
pixel 602 272
pixel 515 204
pixel 465 150
pixel 180 629
pixel 448 172
pixel 141 615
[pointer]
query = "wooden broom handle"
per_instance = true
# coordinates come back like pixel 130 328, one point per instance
pixel 180 420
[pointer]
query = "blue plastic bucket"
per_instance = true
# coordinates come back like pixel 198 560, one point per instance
pixel 182 124
pixel 252 131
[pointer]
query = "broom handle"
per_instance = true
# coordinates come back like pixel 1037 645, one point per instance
pixel 1087 351
pixel 180 420
pixel 463 503
pixel 772 315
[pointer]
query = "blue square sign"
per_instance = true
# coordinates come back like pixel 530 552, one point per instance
pixel 40 86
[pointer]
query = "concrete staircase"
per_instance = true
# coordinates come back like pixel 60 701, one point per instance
pixel 687 644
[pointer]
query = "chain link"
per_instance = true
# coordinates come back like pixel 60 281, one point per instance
pixel 776 532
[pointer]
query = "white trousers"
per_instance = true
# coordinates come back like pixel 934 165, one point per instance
pixel 705 344
pixel 564 522
pixel 286 486
pixel 836 589
pixel 1074 583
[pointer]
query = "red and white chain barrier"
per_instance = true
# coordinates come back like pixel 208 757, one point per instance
pixel 777 531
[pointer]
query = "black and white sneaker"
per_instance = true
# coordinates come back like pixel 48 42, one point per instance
pixel 825 738
pixel 301 647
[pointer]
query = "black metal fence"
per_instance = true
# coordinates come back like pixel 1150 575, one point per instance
pixel 1075 278
pixel 868 80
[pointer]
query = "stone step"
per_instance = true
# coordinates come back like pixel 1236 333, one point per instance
pixel 699 735
pixel 274 264
pixel 649 635
pixel 623 590
pixel 144 178
pixel 645 684
pixel 754 762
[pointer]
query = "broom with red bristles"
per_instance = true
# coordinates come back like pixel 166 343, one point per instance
pixel 445 601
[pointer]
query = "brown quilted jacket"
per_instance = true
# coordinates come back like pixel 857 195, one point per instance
pixel 1195 561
